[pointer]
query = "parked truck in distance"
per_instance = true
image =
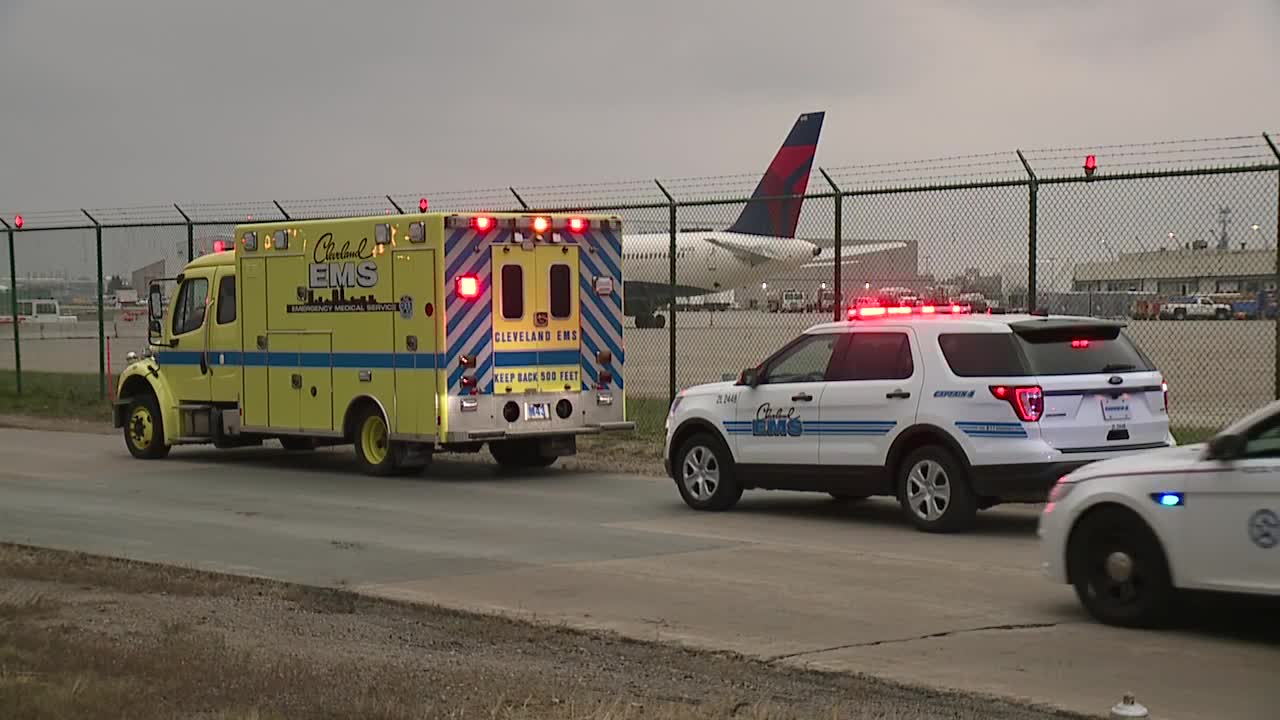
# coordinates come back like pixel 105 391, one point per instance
pixel 1194 308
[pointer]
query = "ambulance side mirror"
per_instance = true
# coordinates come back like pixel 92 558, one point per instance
pixel 155 311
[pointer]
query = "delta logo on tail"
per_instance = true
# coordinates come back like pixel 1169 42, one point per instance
pixel 788 174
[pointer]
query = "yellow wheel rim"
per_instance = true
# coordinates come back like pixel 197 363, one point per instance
pixel 141 427
pixel 373 440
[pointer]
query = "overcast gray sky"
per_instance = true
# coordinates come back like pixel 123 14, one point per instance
pixel 135 102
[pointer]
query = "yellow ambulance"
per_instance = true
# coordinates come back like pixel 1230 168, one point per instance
pixel 404 335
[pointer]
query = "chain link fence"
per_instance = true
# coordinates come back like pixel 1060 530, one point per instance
pixel 1177 238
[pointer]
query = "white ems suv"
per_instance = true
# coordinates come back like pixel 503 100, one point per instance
pixel 948 411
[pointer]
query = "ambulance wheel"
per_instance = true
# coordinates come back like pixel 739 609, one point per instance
pixel 144 429
pixel 934 492
pixel 519 454
pixel 294 443
pixel 705 474
pixel 377 454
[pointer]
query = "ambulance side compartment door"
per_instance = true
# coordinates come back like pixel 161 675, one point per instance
pixel 252 303
pixel 414 278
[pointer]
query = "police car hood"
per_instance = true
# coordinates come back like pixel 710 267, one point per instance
pixel 710 388
pixel 1150 461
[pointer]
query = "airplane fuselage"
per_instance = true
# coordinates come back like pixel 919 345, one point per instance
pixel 706 262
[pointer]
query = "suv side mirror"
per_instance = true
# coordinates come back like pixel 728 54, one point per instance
pixel 1226 447
pixel 749 377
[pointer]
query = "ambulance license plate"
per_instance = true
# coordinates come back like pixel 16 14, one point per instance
pixel 1115 410
pixel 537 411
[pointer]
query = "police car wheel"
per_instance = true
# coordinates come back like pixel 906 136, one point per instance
pixel 376 452
pixel 705 474
pixel 144 429
pixel 934 492
pixel 1118 570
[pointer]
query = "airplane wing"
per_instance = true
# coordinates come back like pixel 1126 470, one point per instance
pixel 827 257
pixel 752 255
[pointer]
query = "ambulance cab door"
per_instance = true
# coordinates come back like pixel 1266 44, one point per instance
pixel 185 361
pixel 556 314
pixel 515 357
pixel 413 282
pixel 224 339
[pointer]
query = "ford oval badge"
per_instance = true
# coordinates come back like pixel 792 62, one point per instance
pixel 1115 379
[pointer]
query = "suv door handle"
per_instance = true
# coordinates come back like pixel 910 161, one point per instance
pixel 899 394
pixel 801 397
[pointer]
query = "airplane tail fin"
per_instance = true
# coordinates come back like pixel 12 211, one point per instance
pixel 788 174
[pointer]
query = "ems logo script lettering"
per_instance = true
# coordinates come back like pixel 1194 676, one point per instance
pixel 336 268
pixel 779 422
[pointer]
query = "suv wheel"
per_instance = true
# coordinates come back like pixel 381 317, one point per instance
pixel 1118 570
pixel 934 491
pixel 704 474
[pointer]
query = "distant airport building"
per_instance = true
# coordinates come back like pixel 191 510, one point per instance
pixel 1181 272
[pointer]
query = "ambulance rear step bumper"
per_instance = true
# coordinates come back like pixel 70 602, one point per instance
pixel 580 430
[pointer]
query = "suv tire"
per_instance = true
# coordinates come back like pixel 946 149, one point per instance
pixel 933 490
pixel 704 474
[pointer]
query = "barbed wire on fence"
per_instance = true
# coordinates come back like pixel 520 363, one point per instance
pixel 973 169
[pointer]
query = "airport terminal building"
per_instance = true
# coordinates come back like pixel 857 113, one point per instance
pixel 1181 272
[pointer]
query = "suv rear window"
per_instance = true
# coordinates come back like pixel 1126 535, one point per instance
pixel 1054 350
pixel 1083 355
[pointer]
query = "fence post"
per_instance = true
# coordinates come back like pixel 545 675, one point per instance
pixel 671 308
pixel 1033 187
pixel 13 309
pixel 102 330
pixel 191 236
pixel 1261 305
pixel 837 304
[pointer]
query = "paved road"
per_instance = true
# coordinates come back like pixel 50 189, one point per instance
pixel 793 578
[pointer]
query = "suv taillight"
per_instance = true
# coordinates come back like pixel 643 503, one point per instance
pixel 1164 387
pixel 1027 400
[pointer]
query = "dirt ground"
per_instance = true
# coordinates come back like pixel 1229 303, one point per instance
pixel 86 637
pixel 634 455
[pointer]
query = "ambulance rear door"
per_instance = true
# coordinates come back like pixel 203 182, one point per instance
pixel 556 316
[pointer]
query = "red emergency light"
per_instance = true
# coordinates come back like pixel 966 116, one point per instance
pixel 422 205
pixel 482 223
pixel 18 222
pixel 1079 344
pixel 219 246
pixel 881 311
pixel 577 224
pixel 467 287
pixel 1090 164
pixel 541 224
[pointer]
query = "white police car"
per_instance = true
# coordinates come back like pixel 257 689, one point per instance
pixel 948 411
pixel 1128 533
